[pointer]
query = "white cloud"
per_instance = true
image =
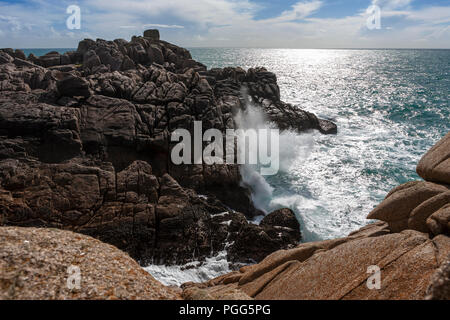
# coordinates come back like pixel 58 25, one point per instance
pixel 391 4
pixel 434 15
pixel 169 26
pixel 201 12
pixel 299 11
pixel 224 23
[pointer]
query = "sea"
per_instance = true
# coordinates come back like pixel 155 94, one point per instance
pixel 390 107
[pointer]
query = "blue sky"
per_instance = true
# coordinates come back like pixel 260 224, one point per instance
pixel 231 23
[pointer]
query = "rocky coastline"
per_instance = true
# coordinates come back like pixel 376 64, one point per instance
pixel 85 146
pixel 85 158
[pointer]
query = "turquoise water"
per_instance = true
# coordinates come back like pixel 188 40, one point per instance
pixel 41 52
pixel 390 106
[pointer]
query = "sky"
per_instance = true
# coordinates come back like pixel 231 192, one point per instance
pixel 232 23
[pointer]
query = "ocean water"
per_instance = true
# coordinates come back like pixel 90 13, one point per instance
pixel 42 51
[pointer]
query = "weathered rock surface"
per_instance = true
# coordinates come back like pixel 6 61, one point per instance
pixel 439 288
pixel 435 164
pixel 279 229
pixel 337 269
pixel 39 264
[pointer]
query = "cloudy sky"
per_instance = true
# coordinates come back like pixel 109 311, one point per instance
pixel 231 23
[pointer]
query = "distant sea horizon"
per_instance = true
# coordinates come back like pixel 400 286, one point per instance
pixel 42 51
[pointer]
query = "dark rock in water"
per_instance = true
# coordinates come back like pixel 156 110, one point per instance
pixel 85 146
pixel 327 127
pixel 282 218
pixel 152 34
pixel 253 243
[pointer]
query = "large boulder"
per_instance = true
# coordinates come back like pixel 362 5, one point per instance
pixel 439 221
pixel 44 264
pixel 399 204
pixel 284 218
pixel 435 164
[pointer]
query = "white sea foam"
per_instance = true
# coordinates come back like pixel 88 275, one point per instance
pixel 388 116
pixel 193 271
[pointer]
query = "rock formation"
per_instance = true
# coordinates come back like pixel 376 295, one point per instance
pixel 411 248
pixel 44 264
pixel 421 205
pixel 85 146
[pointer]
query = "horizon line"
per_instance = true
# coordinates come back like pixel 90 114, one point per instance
pixel 283 48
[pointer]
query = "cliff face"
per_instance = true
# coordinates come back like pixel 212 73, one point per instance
pixel 85 145
pixel 411 250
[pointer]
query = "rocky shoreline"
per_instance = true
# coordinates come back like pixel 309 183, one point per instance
pixel 85 147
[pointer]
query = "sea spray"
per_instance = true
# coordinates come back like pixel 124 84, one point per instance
pixel 294 147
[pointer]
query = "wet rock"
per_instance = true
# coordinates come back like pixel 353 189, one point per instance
pixel 279 229
pixel 281 218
